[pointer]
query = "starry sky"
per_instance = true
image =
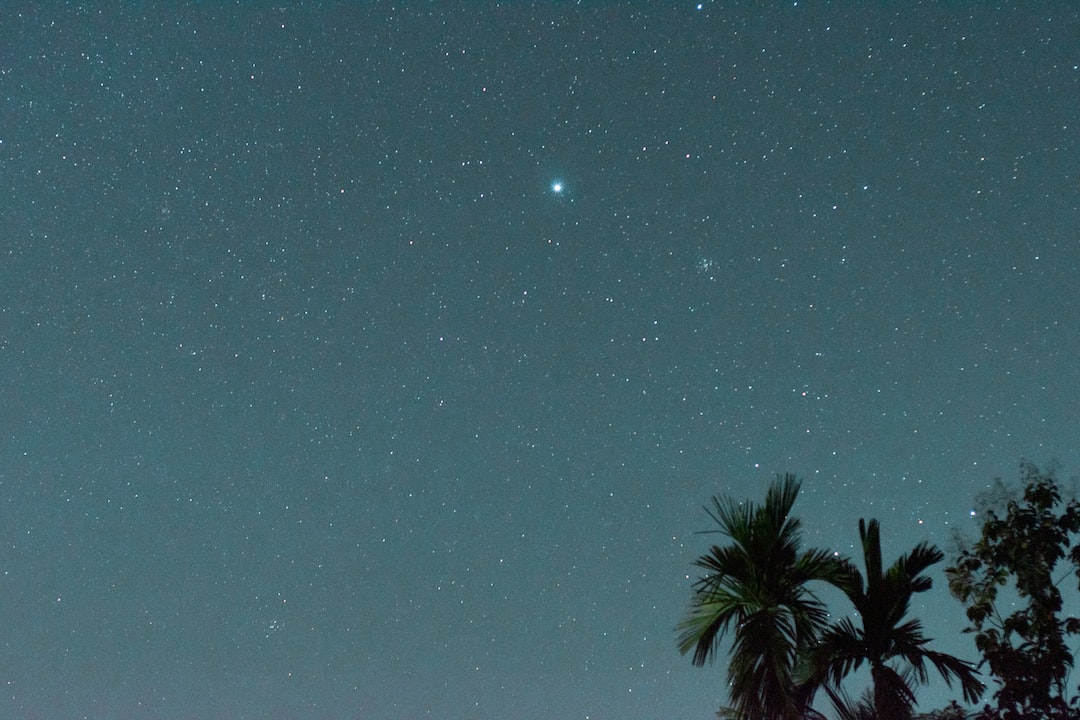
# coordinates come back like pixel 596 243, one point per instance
pixel 375 361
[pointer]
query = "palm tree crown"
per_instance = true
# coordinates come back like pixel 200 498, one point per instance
pixel 882 600
pixel 757 584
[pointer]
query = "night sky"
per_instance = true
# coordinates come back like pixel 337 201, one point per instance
pixel 376 361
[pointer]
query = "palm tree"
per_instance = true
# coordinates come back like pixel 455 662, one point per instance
pixel 757 585
pixel 882 602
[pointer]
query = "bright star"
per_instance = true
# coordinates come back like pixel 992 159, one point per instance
pixel 557 187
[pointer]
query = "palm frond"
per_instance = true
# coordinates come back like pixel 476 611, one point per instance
pixel 755 586
pixel 953 668
pixel 882 598
pixel 848 709
pixel 893 694
pixel 840 650
pixel 707 622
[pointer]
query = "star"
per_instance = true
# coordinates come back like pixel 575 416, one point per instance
pixel 557 187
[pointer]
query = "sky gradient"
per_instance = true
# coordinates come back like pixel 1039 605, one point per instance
pixel 375 361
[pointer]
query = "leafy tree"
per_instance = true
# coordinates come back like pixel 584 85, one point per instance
pixel 757 586
pixel 895 648
pixel 1021 544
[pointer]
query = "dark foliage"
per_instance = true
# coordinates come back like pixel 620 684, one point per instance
pixel 1021 544
pixel 952 711
pixel 782 649
pixel 757 586
pixel 892 644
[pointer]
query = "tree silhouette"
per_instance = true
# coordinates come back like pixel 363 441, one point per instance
pixel 757 585
pixel 895 648
pixel 1021 544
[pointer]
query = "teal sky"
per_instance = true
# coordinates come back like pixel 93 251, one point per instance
pixel 375 361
